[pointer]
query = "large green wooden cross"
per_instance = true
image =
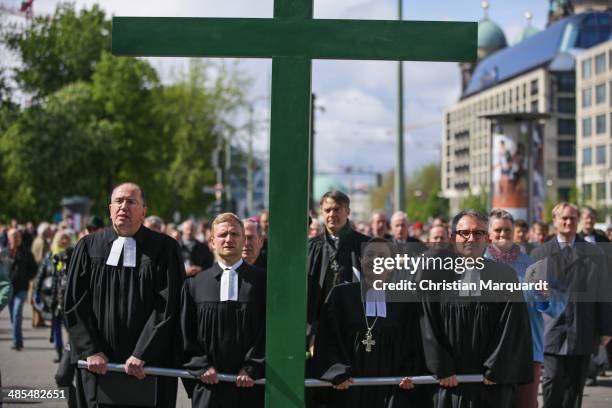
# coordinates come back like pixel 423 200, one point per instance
pixel 292 39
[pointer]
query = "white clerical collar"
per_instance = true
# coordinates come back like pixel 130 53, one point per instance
pixel 229 282
pixel 375 303
pixel 127 245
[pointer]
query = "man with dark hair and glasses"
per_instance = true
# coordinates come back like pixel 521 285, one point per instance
pixel 475 331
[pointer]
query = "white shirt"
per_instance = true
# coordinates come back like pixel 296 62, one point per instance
pixel 229 282
pixel 128 246
pixel 471 276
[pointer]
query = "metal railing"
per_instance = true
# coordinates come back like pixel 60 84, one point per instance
pixel 308 382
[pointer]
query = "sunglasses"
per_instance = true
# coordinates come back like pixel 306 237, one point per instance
pixel 477 234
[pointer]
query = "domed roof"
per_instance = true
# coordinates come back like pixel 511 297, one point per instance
pixel 490 35
pixel 528 31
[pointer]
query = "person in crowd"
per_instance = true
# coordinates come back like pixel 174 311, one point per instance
pixel 588 232
pixel 438 234
pixel 379 225
pixel 361 334
pixel 538 234
pixel 40 248
pixel 196 256
pixel 334 257
pixel 567 347
pixel 154 223
pixel 6 288
pixel 21 267
pixel 477 331
pixel 253 242
pixel 122 306
pixel 521 236
pixel 505 249
pixel 400 228
pixel 223 312
pixel 315 228
pixel 50 286
pixel 416 230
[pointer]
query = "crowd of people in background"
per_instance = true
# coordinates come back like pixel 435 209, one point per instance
pixel 34 262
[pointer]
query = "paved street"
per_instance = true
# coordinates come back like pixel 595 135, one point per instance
pixel 33 366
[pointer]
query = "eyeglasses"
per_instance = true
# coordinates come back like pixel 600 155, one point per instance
pixel 478 234
pixel 131 202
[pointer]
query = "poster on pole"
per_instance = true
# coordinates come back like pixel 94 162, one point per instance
pixel 510 171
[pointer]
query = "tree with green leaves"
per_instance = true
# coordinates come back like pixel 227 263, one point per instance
pixel 95 120
pixel 59 49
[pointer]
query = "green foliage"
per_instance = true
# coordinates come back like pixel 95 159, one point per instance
pixel 97 120
pixel 478 202
pixel 423 194
pixel 195 112
pixel 60 49
pixel 52 151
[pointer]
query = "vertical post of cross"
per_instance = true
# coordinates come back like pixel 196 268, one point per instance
pixel 289 150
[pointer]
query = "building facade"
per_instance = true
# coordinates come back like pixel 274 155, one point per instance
pixel 536 75
pixel 594 125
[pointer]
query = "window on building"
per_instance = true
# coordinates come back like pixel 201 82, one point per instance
pixel 587 192
pixel 587 97
pixel 566 82
pixel 563 194
pixel 534 87
pixel 587 127
pixel 586 68
pixel 567 105
pixel 600 191
pixel 566 148
pixel 534 106
pixel 587 156
pixel 600 94
pixel 600 124
pixel 566 170
pixel 566 126
pixel 600 154
pixel 600 63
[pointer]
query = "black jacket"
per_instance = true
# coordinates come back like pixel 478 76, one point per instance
pixel 586 278
pixel 348 256
pixel 23 269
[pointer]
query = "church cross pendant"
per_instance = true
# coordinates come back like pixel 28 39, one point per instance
pixel 368 342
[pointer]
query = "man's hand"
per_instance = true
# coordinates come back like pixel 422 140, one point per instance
pixel 449 381
pixel 135 366
pixel 193 270
pixel 344 385
pixel 488 382
pixel 210 376
pixel 97 363
pixel 244 380
pixel 406 384
pixel 605 340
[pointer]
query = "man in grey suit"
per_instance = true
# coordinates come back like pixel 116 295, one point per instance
pixel 570 339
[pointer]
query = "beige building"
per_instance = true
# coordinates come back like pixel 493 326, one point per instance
pixel 594 125
pixel 535 75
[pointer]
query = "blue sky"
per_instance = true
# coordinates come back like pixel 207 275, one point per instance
pixel 359 97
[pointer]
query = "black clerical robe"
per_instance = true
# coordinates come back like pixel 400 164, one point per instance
pixel 125 311
pixel 486 334
pixel 331 262
pixel 228 335
pixel 340 354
